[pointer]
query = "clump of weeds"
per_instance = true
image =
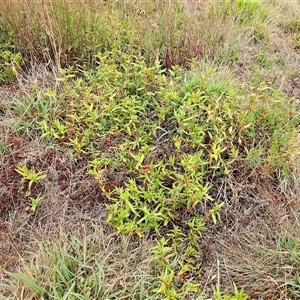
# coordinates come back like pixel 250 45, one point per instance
pixel 171 135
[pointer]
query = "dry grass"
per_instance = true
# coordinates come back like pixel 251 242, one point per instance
pixel 125 263
pixel 244 249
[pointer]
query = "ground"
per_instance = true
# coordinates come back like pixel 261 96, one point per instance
pixel 251 245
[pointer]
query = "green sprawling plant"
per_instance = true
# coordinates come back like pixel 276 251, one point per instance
pixel 172 135
pixel 29 175
pixel 10 62
pixel 237 295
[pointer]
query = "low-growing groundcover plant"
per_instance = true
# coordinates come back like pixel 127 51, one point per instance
pixel 29 175
pixel 173 135
pixel 10 63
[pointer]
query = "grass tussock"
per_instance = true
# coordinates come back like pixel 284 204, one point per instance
pixel 95 266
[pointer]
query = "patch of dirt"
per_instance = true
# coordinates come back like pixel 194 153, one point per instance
pixel 69 176
pixel 67 190
pixel 291 86
pixel 71 197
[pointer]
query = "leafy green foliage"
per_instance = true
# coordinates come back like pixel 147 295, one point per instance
pixel 238 294
pixel 249 10
pixel 171 135
pixel 29 175
pixel 35 202
pixel 10 65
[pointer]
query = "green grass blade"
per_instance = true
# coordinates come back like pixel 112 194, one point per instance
pixel 31 283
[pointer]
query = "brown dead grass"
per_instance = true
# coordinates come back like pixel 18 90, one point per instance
pixel 243 249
